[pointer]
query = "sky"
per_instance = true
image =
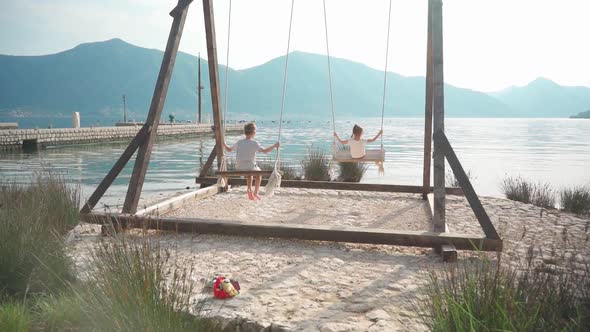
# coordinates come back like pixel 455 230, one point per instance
pixel 488 45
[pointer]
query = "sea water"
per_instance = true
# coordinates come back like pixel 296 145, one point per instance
pixel 550 150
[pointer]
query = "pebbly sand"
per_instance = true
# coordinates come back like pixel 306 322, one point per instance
pixel 320 286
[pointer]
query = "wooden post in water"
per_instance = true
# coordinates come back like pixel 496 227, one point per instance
pixel 438 219
pixel 145 150
pixel 199 88
pixel 428 110
pixel 214 80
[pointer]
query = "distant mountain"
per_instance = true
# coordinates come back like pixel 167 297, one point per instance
pixel 545 98
pixel 582 115
pixel 91 78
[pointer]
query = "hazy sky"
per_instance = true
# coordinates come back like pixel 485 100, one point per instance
pixel 488 45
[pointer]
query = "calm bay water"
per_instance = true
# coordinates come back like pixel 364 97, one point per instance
pixel 552 150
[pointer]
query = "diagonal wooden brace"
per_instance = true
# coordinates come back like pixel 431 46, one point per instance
pixel 117 168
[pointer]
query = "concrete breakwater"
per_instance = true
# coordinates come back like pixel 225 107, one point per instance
pixel 17 139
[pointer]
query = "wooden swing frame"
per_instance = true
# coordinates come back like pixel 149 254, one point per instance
pixel 439 238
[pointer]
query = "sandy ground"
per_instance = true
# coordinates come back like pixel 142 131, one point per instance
pixel 317 286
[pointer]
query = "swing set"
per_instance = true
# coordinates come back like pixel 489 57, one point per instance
pixel 439 237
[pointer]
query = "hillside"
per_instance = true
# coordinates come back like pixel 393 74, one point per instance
pixel 545 98
pixel 582 115
pixel 91 78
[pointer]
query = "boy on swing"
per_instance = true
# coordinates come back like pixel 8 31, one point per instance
pixel 246 150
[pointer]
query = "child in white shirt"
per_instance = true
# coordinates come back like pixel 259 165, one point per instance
pixel 356 142
pixel 246 157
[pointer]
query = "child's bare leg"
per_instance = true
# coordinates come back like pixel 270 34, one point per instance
pixel 249 182
pixel 257 185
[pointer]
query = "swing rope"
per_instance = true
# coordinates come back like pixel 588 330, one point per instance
pixel 330 79
pixel 285 82
pixel 385 72
pixel 274 181
pixel 223 167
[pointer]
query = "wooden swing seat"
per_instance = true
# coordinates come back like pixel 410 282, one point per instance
pixel 343 156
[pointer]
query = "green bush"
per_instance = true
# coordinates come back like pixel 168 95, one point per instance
pixel 482 295
pixel 33 220
pixel 316 165
pixel 14 317
pixel 528 192
pixel 576 200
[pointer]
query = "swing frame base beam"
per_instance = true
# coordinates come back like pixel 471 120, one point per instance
pixel 424 239
pixel 242 173
pixel 333 185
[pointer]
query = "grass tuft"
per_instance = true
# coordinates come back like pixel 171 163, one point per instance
pixel 138 288
pixel 576 200
pixel 290 172
pixel 481 295
pixel 451 180
pixel 33 221
pixel 316 165
pixel 528 192
pixel 14 317
pixel 351 172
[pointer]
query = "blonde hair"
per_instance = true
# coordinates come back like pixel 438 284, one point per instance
pixel 249 128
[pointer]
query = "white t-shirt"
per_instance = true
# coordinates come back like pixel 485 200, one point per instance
pixel 357 148
pixel 246 152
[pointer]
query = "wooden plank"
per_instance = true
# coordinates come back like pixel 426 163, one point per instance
pixel 178 201
pixel 243 173
pixel 474 202
pixel 343 156
pixel 439 115
pixel 336 186
pixel 159 97
pixel 208 163
pixel 214 79
pixel 428 110
pixel 313 233
pixel 115 170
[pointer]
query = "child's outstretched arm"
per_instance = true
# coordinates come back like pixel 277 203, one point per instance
pixel 345 141
pixel 270 148
pixel 227 147
pixel 376 137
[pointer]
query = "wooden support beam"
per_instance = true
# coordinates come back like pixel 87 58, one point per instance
pixel 313 233
pixel 178 201
pixel 428 110
pixel 474 202
pixel 449 253
pixel 439 115
pixel 115 170
pixel 243 173
pixel 214 79
pixel 336 186
pixel 159 97
pixel 208 163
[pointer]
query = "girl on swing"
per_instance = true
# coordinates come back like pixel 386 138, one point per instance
pixel 246 149
pixel 356 142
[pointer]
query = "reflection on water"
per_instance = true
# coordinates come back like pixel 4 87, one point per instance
pixel 554 150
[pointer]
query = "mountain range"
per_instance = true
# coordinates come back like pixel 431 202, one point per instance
pixel 91 78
